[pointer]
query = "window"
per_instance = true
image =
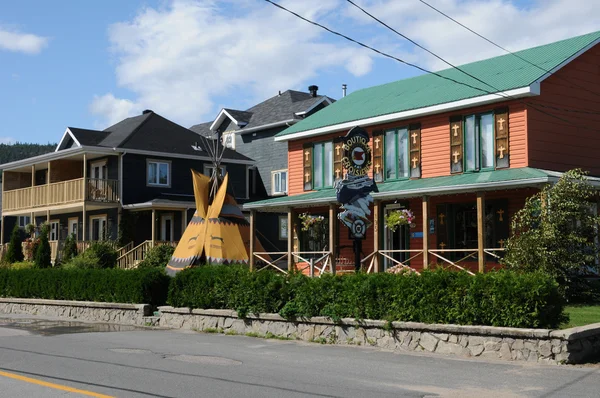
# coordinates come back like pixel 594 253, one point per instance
pixel 208 170
pixel 323 165
pixel 279 182
pixel 479 142
pixel 99 170
pixel 24 221
pixel 98 227
pixel 159 173
pixel 228 140
pixel 74 227
pixel 54 230
pixel 397 164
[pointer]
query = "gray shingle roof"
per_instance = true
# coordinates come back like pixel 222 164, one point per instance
pixel 88 137
pixel 279 108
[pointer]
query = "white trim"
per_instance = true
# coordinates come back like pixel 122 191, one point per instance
pixel 221 117
pixel 158 162
pixel 101 163
pixel 65 153
pixel 567 61
pixel 70 224
pixel 288 123
pixel 285 191
pixel 160 205
pixel 98 217
pixel 163 230
pixel 182 156
pixel 70 133
pixel 528 91
pixel 313 106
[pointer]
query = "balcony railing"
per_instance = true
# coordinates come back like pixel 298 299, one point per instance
pixel 60 193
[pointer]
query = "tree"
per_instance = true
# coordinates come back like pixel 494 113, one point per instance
pixel 69 248
pixel 14 253
pixel 43 254
pixel 556 232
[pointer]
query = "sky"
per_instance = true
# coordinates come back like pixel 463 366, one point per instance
pixel 90 64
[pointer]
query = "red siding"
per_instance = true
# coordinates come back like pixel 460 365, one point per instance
pixel 561 145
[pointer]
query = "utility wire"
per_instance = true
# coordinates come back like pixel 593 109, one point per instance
pixel 419 67
pixel 505 49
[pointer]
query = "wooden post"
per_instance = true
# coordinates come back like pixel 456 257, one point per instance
pixel 376 237
pixel 252 238
pixel 2 231
pixel 84 223
pixel 48 185
pixel 84 185
pixel 48 216
pixel 425 232
pixel 153 227
pixel 480 231
pixel 290 237
pixel 183 223
pixel 33 175
pixel 332 226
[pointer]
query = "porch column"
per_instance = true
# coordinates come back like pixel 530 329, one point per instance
pixel 376 237
pixel 83 186
pixel 84 223
pixel 480 230
pixel 252 238
pixel 48 216
pixel 425 232
pixel 2 231
pixel 48 185
pixel 153 227
pixel 332 227
pixel 290 238
pixel 33 175
pixel 183 222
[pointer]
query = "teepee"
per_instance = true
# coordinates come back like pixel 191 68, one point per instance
pixel 218 232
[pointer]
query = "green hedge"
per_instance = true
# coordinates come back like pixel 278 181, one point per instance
pixel 148 286
pixel 501 298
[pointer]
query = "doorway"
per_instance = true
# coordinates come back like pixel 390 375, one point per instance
pixel 73 227
pixel 166 227
pixel 395 240
pixel 54 229
pixel 98 227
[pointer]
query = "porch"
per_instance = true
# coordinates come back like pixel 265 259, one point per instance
pixel 460 222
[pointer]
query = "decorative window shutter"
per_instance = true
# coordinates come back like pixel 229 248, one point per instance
pixel 414 139
pixel 338 153
pixel 307 160
pixel 502 143
pixel 456 144
pixel 378 155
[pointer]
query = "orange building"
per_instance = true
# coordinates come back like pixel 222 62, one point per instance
pixel 461 154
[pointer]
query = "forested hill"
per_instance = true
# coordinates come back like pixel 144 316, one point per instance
pixel 18 151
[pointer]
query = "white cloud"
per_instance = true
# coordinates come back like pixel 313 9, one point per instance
pixel 7 140
pixel 177 60
pixel 501 21
pixel 113 109
pixel 21 42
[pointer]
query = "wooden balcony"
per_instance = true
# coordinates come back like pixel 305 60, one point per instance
pixel 61 193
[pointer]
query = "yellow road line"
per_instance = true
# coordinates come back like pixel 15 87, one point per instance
pixel 52 385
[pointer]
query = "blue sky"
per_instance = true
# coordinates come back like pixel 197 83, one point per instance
pixel 89 64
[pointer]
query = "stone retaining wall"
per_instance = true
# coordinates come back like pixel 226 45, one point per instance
pixel 574 345
pixel 128 314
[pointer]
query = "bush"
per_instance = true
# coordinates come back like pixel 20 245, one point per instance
pixel 22 265
pixel 15 249
pixel 502 298
pixel 147 286
pixel 69 248
pixel 158 256
pixel 81 262
pixel 103 253
pixel 43 253
pixel 30 248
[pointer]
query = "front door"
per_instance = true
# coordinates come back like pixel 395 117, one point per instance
pixel 73 224
pixel 395 240
pixel 166 228
pixel 98 228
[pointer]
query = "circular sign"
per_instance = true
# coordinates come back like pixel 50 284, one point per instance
pixel 359 228
pixel 357 153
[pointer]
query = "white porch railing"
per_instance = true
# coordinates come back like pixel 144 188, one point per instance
pixel 316 262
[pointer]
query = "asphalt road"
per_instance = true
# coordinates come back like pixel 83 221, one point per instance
pixel 56 359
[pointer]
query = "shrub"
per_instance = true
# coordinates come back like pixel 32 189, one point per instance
pixel 103 253
pixel 15 249
pixel 81 262
pixel 158 256
pixel 22 265
pixel 502 298
pixel 43 253
pixel 148 286
pixel 69 248
pixel 30 248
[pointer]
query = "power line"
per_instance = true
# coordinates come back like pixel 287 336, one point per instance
pixel 505 49
pixel 418 67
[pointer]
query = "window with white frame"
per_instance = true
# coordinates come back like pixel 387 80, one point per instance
pixel 228 140
pixel 279 182
pixel 209 169
pixel 24 221
pixel 159 173
pixel 323 165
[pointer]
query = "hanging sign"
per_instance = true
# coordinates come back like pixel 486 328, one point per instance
pixel 353 192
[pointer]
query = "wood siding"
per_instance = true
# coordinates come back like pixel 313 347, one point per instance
pixel 574 141
pixel 435 142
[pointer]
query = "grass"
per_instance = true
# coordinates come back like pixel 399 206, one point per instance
pixel 581 315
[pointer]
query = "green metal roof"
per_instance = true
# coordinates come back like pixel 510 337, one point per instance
pixel 466 182
pixel 505 72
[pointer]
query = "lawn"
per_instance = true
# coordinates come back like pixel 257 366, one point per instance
pixel 581 315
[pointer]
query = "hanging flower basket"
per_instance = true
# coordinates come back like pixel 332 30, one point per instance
pixel 397 218
pixel 311 222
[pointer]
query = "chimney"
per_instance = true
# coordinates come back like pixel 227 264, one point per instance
pixel 146 111
pixel 344 86
pixel 313 90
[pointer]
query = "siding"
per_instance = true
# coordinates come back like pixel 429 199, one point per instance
pixel 435 142
pixel 562 144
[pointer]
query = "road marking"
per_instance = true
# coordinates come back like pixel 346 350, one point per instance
pixel 52 385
